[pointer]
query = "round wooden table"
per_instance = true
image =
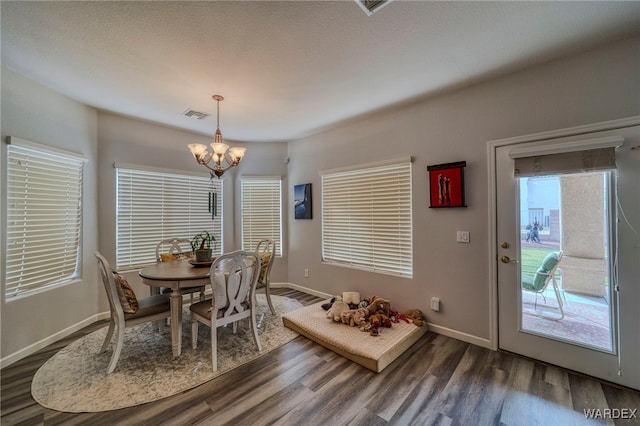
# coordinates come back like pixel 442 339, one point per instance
pixel 175 275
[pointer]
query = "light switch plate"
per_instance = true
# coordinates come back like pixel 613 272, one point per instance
pixel 435 304
pixel 462 236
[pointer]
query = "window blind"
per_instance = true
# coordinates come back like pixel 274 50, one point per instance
pixel 573 156
pixel 367 219
pixel 566 162
pixel 44 217
pixel 154 205
pixel 261 205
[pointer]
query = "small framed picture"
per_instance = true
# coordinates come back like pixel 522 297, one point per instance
pixel 302 201
pixel 446 185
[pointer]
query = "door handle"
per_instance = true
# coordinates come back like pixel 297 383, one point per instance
pixel 506 259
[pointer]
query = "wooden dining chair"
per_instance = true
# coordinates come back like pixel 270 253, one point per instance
pixel 174 249
pixel 233 287
pixel 266 249
pixel 126 309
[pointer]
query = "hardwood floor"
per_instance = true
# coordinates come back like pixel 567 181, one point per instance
pixel 438 381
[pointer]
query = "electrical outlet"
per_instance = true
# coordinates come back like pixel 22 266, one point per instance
pixel 435 304
pixel 306 273
pixel 462 236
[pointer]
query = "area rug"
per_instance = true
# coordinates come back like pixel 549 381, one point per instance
pixel 75 380
pixel 372 352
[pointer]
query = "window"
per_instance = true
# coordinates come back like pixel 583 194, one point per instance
pixel 155 205
pixel 261 204
pixel 366 218
pixel 44 217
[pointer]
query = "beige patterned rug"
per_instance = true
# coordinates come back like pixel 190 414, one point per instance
pixel 75 380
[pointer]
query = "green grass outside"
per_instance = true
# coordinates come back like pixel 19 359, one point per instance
pixel 532 257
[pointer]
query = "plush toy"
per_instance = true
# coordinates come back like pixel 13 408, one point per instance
pixel 351 297
pixel 327 306
pixel 378 305
pixel 396 317
pixel 379 320
pixel 336 310
pixel 347 317
pixel 366 326
pixel 416 316
pixel 360 317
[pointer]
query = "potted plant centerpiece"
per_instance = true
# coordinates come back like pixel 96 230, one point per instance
pixel 202 245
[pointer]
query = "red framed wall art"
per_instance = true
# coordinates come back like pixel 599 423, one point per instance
pixel 446 185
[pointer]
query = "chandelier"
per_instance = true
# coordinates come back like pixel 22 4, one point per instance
pixel 222 157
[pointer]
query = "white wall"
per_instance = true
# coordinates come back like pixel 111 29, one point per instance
pixel 127 140
pixel 33 112
pixel 599 85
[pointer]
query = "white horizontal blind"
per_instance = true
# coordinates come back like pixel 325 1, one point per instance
pixel 153 206
pixel 44 216
pixel 366 219
pixel 261 205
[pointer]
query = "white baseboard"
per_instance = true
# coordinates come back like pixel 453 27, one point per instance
pixel 302 289
pixel 35 347
pixel 465 337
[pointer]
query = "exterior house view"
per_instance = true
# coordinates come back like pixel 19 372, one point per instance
pixel 331 114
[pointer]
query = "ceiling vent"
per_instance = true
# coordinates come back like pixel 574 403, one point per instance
pixel 372 6
pixel 195 114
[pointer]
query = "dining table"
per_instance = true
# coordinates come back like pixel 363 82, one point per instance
pixel 176 274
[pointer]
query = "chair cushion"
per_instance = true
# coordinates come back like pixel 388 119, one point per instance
pixel 542 274
pixel 265 257
pixel 205 308
pixel 202 308
pixel 127 296
pixel 168 257
pixel 527 282
pixel 151 305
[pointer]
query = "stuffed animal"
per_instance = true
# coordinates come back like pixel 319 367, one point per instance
pixel 336 310
pixel 416 316
pixel 360 317
pixel 347 317
pixel 379 320
pixel 396 317
pixel 327 306
pixel 351 297
pixel 366 326
pixel 378 305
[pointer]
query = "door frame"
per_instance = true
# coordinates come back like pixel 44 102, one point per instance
pixel 492 251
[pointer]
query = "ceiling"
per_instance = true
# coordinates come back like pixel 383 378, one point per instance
pixel 290 68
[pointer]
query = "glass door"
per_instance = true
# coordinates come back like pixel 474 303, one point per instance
pixel 567 241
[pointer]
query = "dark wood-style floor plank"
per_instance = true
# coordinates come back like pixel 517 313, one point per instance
pixel 438 381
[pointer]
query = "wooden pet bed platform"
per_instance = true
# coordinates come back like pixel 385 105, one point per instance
pixel 372 352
